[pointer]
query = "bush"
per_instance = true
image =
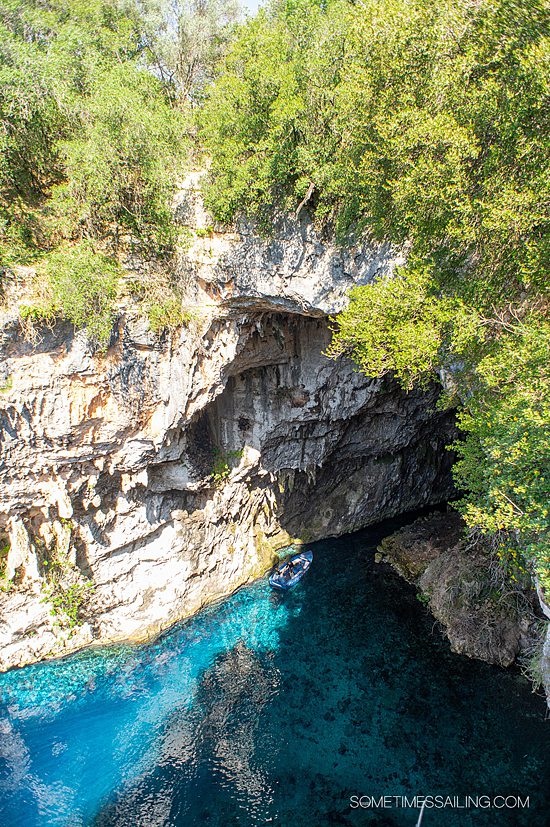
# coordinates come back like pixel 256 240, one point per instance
pixel 122 163
pixel 167 314
pixel 224 461
pixel 90 146
pixel 504 458
pixel 67 602
pixel 81 285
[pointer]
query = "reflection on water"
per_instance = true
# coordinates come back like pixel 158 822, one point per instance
pixel 223 725
pixel 271 708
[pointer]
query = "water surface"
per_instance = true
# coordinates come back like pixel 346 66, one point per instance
pixel 274 709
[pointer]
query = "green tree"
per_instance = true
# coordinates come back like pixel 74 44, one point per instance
pixel 91 151
pixel 122 163
pixel 185 40
pixel 427 123
pixel 91 146
pixel 505 457
pixel 408 119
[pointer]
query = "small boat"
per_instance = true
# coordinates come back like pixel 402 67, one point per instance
pixel 291 571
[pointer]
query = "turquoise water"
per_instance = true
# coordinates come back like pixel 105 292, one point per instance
pixel 274 709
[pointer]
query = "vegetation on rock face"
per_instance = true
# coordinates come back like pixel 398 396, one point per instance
pixel 505 457
pixel 64 588
pixel 224 461
pixel 90 151
pixel 80 284
pixel 426 123
pixel 422 122
pixel 4 551
pixel 88 140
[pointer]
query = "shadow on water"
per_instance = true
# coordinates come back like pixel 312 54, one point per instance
pixel 277 708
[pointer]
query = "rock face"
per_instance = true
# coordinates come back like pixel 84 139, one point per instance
pixel 138 485
pixel 545 653
pixel 480 619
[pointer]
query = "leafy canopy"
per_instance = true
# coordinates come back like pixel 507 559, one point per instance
pixel 505 458
pixel 91 148
pixel 410 119
pixel 427 123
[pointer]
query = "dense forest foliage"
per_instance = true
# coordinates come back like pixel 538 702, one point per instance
pixel 425 122
pixel 95 102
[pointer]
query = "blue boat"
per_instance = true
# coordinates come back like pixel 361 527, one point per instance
pixel 291 571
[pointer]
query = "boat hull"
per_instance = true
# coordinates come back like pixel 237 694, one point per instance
pixel 281 580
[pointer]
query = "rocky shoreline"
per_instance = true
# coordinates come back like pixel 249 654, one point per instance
pixel 463 588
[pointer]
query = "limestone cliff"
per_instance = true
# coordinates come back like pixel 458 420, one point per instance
pixel 138 485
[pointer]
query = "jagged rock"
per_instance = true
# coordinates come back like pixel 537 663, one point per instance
pixel 21 563
pixel 182 462
pixel 478 619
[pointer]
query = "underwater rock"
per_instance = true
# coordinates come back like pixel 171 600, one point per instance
pixel 457 582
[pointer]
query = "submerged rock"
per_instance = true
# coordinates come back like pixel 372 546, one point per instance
pixel 455 580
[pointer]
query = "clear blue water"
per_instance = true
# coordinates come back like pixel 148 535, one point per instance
pixel 274 709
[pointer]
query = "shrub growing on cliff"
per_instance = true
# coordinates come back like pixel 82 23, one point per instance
pixel 67 602
pixel 224 461
pixel 4 551
pixel 400 326
pixel 80 285
pixel 64 588
pixel 500 370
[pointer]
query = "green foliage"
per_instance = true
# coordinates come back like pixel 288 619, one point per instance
pixel 120 165
pixel 67 602
pixel 411 119
pixel 205 232
pixel 423 598
pixel 90 145
pixel 400 326
pixel 64 588
pixel 159 299
pixel 532 659
pixel 168 314
pixel 4 551
pixel 184 41
pixel 81 285
pixel 505 457
pixel 223 463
